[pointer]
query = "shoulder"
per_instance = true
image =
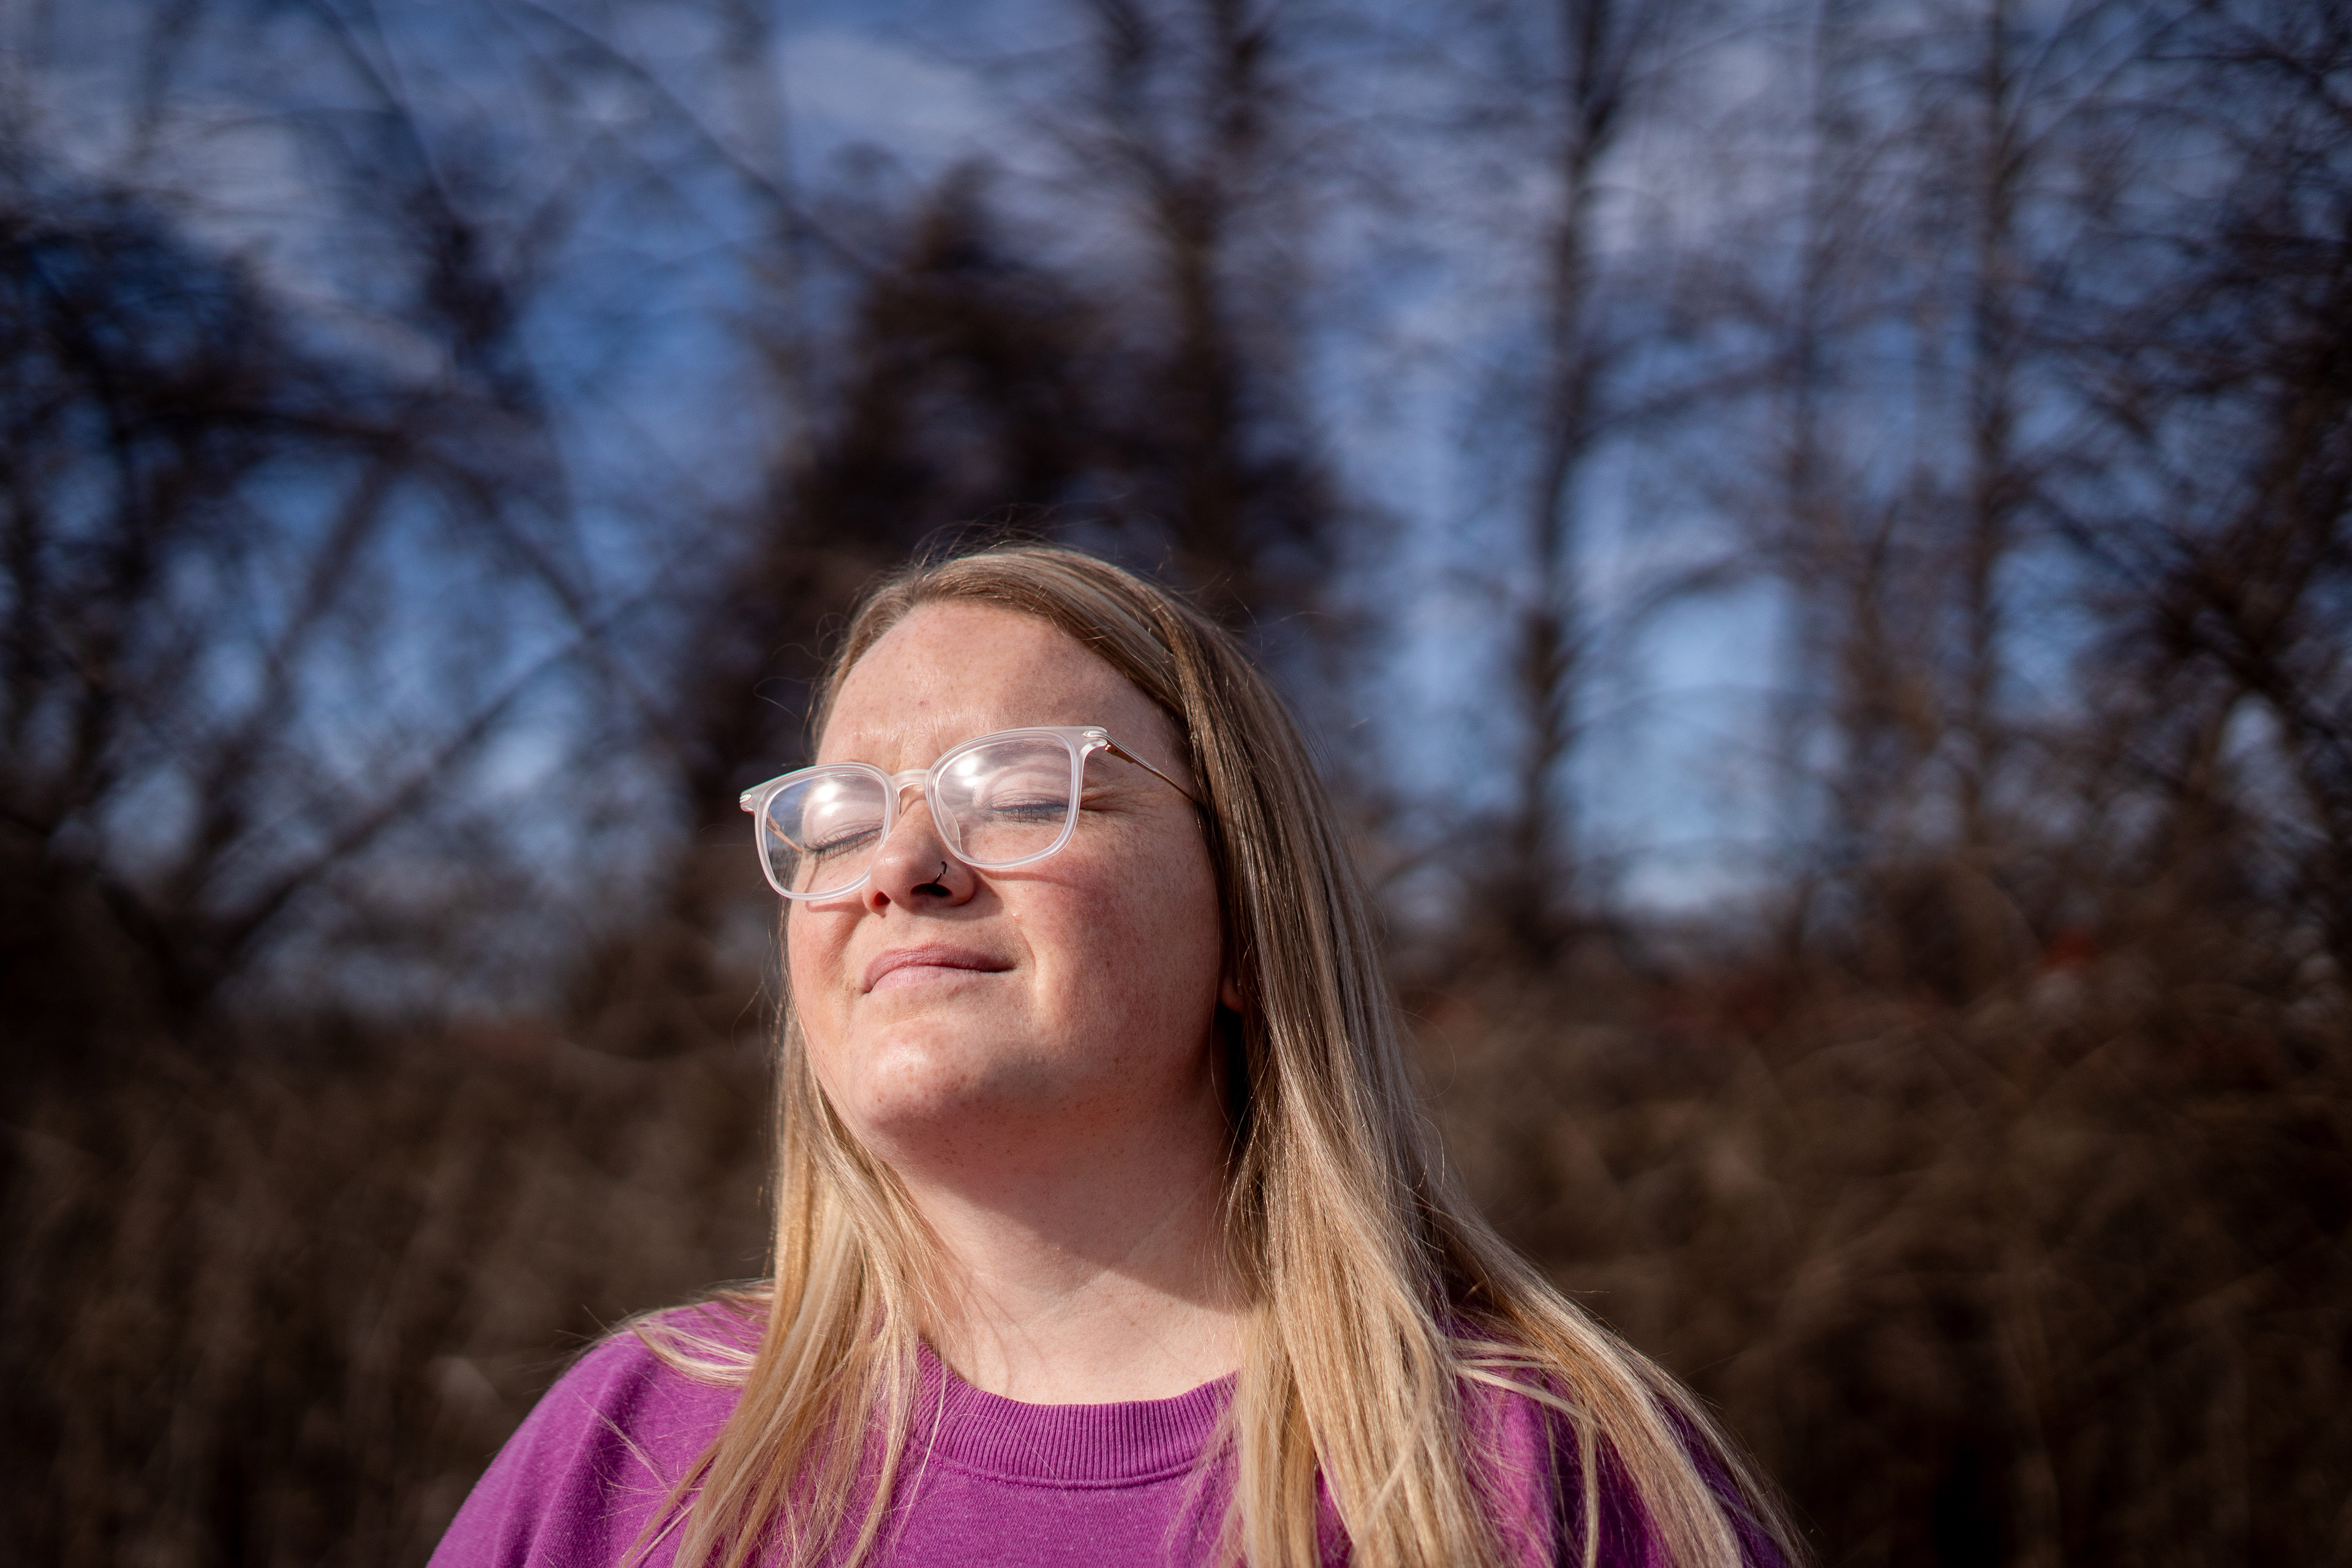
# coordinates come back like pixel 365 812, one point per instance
pixel 596 1459
pixel 1545 1483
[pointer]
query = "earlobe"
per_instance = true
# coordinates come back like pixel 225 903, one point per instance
pixel 1229 992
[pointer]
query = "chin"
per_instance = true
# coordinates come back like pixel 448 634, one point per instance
pixel 926 1079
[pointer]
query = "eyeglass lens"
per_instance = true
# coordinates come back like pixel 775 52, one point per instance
pixel 998 804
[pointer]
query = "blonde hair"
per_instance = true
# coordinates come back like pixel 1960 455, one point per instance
pixel 1379 1295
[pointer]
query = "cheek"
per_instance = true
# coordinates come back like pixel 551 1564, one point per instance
pixel 813 945
pixel 1143 946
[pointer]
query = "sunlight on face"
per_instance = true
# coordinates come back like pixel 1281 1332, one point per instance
pixel 963 1018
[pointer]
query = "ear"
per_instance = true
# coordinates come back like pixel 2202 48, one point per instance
pixel 1229 992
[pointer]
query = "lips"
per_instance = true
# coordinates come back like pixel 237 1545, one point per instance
pixel 913 964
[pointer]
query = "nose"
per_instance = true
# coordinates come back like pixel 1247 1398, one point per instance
pixel 914 869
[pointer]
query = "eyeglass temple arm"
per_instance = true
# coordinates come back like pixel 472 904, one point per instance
pixel 1115 749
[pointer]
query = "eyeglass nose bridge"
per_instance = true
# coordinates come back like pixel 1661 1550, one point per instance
pixel 919 780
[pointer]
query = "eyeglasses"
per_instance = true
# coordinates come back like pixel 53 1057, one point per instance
pixel 997 801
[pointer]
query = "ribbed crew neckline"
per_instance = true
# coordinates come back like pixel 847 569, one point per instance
pixel 1101 1444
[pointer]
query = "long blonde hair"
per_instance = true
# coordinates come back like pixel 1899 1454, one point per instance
pixel 1379 1295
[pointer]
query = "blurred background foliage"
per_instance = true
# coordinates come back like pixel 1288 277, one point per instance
pixel 1817 535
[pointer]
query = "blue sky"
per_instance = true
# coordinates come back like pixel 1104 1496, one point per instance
pixel 1411 336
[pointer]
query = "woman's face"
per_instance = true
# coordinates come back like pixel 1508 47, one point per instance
pixel 958 1018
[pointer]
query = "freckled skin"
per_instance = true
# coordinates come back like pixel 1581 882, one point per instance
pixel 1090 1050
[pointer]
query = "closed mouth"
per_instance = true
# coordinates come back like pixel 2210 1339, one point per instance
pixel 930 956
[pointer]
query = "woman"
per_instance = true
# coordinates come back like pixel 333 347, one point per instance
pixel 1108 1230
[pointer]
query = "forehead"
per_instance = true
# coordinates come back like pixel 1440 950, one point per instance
pixel 948 672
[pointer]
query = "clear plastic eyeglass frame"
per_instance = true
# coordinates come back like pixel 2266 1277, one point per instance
pixel 1078 741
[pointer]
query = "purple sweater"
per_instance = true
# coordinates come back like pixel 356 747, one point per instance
pixel 992 1481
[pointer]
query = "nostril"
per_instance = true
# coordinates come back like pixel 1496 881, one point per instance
pixel 938 883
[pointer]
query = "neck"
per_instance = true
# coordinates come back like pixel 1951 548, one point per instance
pixel 1087 1271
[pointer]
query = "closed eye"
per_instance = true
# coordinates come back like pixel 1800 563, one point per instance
pixel 841 843
pixel 1038 808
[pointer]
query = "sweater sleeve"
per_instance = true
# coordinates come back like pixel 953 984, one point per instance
pixel 589 1468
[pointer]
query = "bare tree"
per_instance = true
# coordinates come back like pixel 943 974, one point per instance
pixel 2219 517
pixel 1193 123
pixel 1559 93
pixel 1946 252
pixel 174 600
